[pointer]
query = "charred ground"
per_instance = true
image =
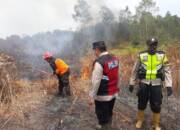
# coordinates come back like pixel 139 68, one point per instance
pixel 34 105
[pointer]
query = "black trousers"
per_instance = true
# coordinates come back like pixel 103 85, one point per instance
pixel 104 111
pixel 64 87
pixel 150 93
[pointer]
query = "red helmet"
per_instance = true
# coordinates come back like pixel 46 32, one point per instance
pixel 47 55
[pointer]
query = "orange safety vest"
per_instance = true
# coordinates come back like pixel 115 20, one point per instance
pixel 61 66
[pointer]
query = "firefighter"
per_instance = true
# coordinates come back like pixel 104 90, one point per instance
pixel 104 85
pixel 62 71
pixel 151 70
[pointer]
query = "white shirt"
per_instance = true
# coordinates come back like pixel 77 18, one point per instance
pixel 97 76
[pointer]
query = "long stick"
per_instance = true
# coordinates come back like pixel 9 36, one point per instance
pixel 6 122
pixel 42 71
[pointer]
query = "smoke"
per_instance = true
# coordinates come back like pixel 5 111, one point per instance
pixel 96 22
pixel 28 50
pixel 53 42
pixel 99 22
pixel 82 13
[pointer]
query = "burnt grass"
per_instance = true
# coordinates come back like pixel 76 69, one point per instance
pixel 73 113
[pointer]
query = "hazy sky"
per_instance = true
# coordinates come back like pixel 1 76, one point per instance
pixel 27 17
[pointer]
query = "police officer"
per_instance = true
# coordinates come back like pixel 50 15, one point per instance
pixel 151 70
pixel 104 84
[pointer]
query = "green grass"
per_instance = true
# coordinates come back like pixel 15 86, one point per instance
pixel 126 48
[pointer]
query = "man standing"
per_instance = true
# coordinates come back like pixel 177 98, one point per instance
pixel 151 70
pixel 104 84
pixel 61 70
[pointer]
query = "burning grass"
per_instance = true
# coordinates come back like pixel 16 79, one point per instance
pixel 29 95
pixel 127 56
pixel 29 103
pixel 87 65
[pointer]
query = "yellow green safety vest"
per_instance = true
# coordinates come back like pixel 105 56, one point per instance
pixel 153 64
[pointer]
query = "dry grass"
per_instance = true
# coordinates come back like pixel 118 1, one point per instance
pixel 32 97
pixel 27 98
pixel 28 95
pixel 8 73
pixel 127 57
pixel 174 57
pixel 86 65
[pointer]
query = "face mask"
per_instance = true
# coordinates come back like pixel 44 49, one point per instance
pixel 152 49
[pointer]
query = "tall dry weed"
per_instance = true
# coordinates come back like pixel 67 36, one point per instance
pixel 173 53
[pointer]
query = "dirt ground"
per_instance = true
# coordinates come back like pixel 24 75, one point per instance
pixel 37 108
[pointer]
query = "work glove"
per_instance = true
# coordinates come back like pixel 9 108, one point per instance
pixel 131 88
pixel 169 91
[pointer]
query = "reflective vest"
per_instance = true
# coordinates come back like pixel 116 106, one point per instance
pixel 151 66
pixel 109 81
pixel 61 66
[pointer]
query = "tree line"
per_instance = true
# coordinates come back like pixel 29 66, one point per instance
pixel 129 27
